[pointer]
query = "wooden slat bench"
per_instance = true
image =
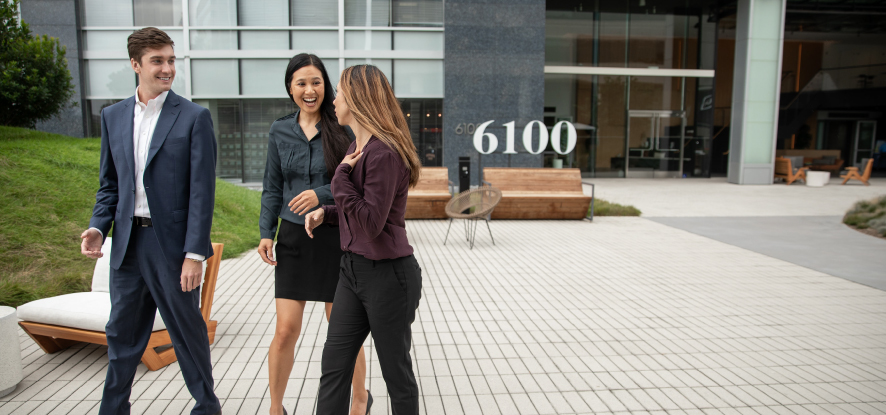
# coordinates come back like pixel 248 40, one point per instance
pixel 538 193
pixel 427 200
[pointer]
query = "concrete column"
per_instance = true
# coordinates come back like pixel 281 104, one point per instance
pixel 494 70
pixel 755 90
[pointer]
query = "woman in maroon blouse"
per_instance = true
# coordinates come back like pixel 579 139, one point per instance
pixel 379 283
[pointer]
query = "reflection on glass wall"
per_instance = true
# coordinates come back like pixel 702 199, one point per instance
pixel 109 78
pixel 94 108
pixel 653 34
pixel 394 13
pixel 131 12
pixel 241 129
pixel 157 12
pixel 425 120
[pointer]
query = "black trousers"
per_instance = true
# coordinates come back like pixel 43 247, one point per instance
pixel 378 297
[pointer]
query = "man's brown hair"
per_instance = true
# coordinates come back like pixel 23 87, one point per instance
pixel 148 38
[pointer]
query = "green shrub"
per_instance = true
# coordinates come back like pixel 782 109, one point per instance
pixel 35 83
pixel 868 214
pixel 604 208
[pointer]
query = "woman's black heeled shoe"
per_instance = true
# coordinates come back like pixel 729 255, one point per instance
pixel 368 402
pixel 284 412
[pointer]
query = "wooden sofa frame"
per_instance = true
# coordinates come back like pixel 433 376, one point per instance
pixel 52 338
pixel 428 199
pixel 538 193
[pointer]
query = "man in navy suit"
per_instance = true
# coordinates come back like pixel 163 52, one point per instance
pixel 157 189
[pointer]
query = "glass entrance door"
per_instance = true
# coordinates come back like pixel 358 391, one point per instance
pixel 865 131
pixel 655 143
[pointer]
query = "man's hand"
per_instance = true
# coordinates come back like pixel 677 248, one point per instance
pixel 192 274
pixel 351 159
pixel 91 246
pixel 266 251
pixel 304 202
pixel 312 220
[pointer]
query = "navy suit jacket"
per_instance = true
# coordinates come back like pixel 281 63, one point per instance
pixel 179 179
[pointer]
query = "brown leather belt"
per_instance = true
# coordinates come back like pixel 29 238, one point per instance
pixel 143 222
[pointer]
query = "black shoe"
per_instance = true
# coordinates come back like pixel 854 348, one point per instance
pixel 284 412
pixel 368 402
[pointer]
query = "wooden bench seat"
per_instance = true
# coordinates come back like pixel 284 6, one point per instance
pixel 427 200
pixel 538 193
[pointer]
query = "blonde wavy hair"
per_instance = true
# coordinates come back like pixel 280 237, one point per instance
pixel 371 100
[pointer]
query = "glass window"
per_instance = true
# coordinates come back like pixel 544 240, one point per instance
pixel 212 12
pixel 418 41
pixel 109 78
pixel 567 35
pixel 264 40
pixel 263 76
pixel 157 12
pixel 213 40
pixel 107 13
pixel 310 41
pixel 258 116
pixel 181 73
pixel 418 78
pixel 417 13
pixel 333 69
pixel 105 40
pixel 386 65
pixel 264 13
pixel 367 40
pixel 94 108
pixel 314 13
pixel 425 120
pixel 215 77
pixel 367 12
pixel 228 133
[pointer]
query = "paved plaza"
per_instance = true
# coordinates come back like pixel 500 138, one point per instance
pixel 614 316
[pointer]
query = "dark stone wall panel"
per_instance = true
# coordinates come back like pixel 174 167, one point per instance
pixel 494 69
pixel 58 19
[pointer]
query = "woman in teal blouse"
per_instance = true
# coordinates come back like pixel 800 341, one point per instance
pixel 303 151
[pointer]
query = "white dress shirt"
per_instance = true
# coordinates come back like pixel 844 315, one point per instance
pixel 143 124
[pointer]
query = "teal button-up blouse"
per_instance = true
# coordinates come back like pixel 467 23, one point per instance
pixel 294 165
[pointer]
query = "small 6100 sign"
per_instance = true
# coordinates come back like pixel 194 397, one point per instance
pixel 480 133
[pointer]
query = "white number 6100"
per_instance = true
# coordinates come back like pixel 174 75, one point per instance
pixel 556 143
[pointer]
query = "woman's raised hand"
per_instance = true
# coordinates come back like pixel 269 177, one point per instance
pixel 304 202
pixel 351 159
pixel 312 220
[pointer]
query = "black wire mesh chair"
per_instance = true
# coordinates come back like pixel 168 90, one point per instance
pixel 473 205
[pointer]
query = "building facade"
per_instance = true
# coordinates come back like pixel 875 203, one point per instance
pixel 654 88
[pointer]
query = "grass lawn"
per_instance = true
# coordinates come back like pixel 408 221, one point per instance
pixel 604 208
pixel 48 184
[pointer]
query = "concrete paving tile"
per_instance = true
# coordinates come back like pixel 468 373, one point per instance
pixel 697 327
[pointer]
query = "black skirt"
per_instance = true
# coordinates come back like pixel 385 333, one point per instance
pixel 307 269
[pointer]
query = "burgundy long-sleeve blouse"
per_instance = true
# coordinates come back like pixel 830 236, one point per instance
pixel 370 203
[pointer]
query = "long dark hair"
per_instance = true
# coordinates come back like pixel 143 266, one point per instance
pixel 335 138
